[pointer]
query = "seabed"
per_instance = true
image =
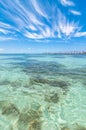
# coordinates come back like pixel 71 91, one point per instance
pixel 42 92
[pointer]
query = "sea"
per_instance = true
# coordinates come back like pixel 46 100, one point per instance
pixel 42 92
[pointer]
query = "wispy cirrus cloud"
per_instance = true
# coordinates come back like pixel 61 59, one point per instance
pixel 7 32
pixel 36 20
pixel 67 2
pixel 3 31
pixel 75 12
pixel 65 27
pixel 33 35
pixel 5 38
pixel 5 28
pixel 38 8
pixel 80 34
pixel 4 25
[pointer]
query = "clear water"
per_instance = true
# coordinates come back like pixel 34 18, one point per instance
pixel 42 92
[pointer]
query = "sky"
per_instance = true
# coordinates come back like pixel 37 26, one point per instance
pixel 40 26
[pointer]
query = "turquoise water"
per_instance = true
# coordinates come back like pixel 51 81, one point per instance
pixel 42 92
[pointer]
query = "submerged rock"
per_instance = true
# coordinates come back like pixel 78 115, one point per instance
pixel 30 120
pixel 4 82
pixel 65 128
pixel 35 125
pixel 41 67
pixel 52 97
pixel 10 110
pixel 54 83
pixel 79 127
pixel 38 80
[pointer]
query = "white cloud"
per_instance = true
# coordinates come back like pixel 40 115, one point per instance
pixel 27 16
pixel 29 35
pixel 21 16
pixel 32 27
pixel 5 28
pixel 33 22
pixel 32 35
pixel 75 12
pixel 67 3
pixel 38 8
pixel 4 38
pixel 4 31
pixel 66 28
pixel 59 32
pixel 80 34
pixel 46 32
pixel 5 25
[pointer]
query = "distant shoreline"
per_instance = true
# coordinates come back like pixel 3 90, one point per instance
pixel 47 53
pixel 68 53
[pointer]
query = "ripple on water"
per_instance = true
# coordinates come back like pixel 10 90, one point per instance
pixel 58 97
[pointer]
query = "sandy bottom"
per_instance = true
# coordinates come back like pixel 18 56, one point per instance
pixel 42 92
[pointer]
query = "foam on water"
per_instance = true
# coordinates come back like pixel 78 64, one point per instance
pixel 42 92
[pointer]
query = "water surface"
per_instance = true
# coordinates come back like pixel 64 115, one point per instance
pixel 42 92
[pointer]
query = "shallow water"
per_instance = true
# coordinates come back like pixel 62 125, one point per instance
pixel 42 92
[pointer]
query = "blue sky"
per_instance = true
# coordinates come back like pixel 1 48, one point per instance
pixel 35 26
